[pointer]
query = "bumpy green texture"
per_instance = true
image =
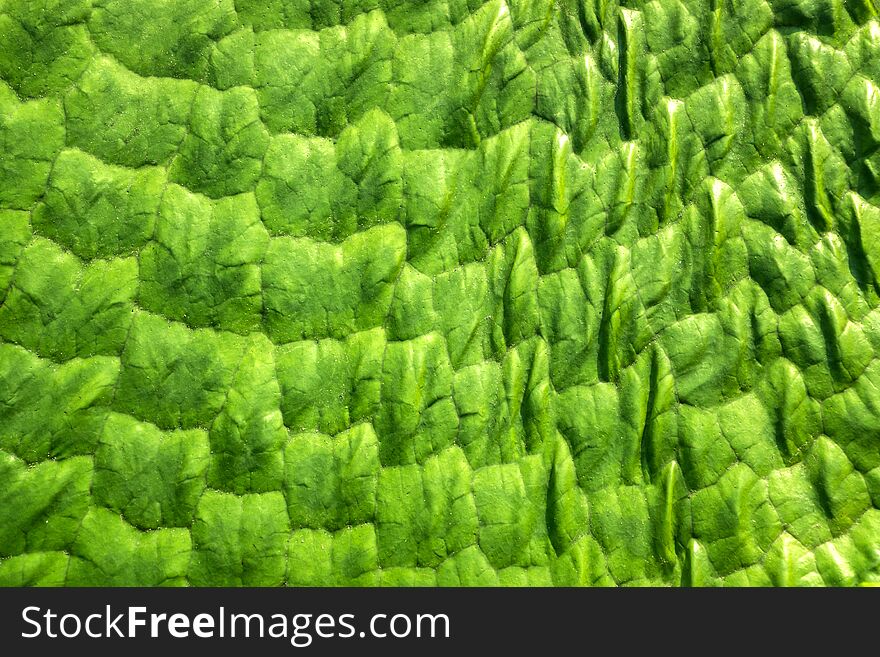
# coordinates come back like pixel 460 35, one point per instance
pixel 373 292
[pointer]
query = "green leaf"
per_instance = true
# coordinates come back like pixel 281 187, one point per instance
pixel 439 293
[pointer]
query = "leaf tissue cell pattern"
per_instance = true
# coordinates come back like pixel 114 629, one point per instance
pixel 518 292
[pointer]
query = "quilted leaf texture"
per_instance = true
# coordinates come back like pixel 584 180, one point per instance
pixel 517 292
